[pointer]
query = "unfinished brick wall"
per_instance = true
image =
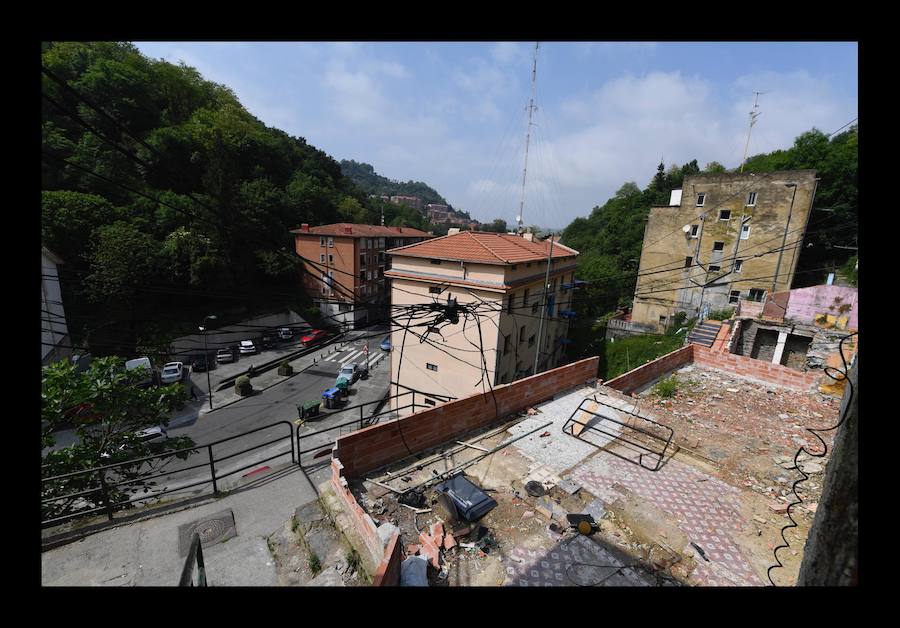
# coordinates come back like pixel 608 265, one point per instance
pixel 643 375
pixel 757 369
pixel 378 445
pixel 388 573
pixel 362 522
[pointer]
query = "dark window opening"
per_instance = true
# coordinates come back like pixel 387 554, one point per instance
pixel 718 246
pixel 688 261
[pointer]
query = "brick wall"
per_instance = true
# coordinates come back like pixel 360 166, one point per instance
pixel 757 369
pixel 749 309
pixel 388 574
pixel 642 375
pixel 362 522
pixel 380 444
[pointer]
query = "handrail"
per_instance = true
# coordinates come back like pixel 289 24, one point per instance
pixel 194 558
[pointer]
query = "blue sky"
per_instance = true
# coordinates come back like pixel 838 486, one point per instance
pixel 454 114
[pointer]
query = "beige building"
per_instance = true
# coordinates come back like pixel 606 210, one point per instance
pixel 502 275
pixel 720 240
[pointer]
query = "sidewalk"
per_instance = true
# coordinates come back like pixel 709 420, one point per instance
pixel 151 552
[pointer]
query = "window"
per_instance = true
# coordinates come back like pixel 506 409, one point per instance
pixel 322 258
pixel 701 199
pixel 509 304
pixel 688 261
pixel 738 265
pixel 362 260
pixel 430 402
pixel 321 241
pixel 505 344
pixel 331 242
pixel 662 320
pixel 362 276
pixel 525 297
pixel 528 265
pixel 522 334
pixel 531 340
pixel 534 307
pixel 714 269
pixel 724 214
pixel 756 294
pixel 371 275
pixel 745 232
pixel 514 266
pixel 436 261
pixel 751 199
pixel 330 258
pixel 734 296
pixel 344 307
pixel 431 367
pixel 380 243
pixel 718 246
pixel 694 230
pixel 434 289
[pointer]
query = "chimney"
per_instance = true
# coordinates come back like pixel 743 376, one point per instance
pixel 400 229
pixel 348 229
pixel 528 236
pixel 452 230
pixel 304 227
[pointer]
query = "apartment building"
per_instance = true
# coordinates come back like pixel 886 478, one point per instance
pixel 345 263
pixel 410 201
pixel 502 276
pixel 721 238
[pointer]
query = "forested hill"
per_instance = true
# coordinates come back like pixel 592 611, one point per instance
pixel 371 182
pixel 610 238
pixel 158 186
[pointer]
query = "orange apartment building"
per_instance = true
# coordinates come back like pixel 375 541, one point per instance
pixel 344 263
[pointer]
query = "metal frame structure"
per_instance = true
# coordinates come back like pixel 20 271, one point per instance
pixel 194 559
pixel 569 425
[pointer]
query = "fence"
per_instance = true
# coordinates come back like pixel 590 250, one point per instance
pixel 194 560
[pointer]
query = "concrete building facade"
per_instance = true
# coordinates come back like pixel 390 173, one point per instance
pixel 344 268
pixel 722 238
pixel 502 275
pixel 410 201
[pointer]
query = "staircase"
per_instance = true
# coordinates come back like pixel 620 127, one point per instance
pixel 704 334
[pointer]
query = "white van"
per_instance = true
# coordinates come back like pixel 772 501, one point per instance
pixel 141 363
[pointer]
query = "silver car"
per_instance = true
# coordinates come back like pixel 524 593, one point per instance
pixel 172 373
pixel 247 346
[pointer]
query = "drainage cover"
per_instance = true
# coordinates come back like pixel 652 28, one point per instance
pixel 212 529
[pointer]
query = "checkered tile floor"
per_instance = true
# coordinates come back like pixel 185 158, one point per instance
pixel 548 568
pixel 704 507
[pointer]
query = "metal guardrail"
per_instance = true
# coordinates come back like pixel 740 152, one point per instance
pixel 569 425
pixel 194 560
pixel 106 480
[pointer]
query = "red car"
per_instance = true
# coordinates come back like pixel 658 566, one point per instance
pixel 313 337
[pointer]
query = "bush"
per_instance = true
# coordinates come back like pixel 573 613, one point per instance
pixel 285 369
pixel 721 315
pixel 242 386
pixel 666 388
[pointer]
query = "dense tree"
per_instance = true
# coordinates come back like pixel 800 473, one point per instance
pixel 107 407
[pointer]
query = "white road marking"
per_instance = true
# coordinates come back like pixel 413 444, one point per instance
pixel 350 357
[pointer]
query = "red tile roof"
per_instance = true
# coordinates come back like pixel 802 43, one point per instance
pixel 484 247
pixel 362 231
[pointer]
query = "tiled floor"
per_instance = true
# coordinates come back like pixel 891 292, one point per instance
pixel 704 508
pixel 576 563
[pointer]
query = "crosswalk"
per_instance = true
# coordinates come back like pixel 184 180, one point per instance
pixel 352 354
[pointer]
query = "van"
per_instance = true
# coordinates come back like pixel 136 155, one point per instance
pixel 141 363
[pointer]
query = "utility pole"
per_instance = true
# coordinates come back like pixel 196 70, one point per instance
pixel 784 240
pixel 537 353
pixel 753 116
pixel 520 218
pixel 208 361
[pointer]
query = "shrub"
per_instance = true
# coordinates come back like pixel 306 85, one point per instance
pixel 285 369
pixel 314 565
pixel 721 315
pixel 242 386
pixel 666 388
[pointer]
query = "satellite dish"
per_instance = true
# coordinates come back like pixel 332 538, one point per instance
pixel 686 228
pixel 518 219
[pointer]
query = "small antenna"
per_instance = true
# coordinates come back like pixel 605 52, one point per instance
pixel 754 114
pixel 531 108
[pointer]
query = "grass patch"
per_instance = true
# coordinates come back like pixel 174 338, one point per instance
pixel 666 388
pixel 353 560
pixel 625 354
pixel 313 563
pixel 721 315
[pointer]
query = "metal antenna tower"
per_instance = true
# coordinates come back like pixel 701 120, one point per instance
pixel 520 218
pixel 754 114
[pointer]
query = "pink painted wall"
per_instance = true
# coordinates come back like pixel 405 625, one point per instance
pixel 806 303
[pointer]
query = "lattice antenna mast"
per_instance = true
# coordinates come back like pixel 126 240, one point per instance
pixel 521 217
pixel 754 114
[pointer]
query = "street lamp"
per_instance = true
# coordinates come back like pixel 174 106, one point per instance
pixel 211 317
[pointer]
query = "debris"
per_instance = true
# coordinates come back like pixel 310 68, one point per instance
pixel 532 411
pixel 449 541
pixel 700 551
pixel 535 489
pixel 470 501
pixel 406 478
pixel 759 519
pixel 414 572
pixel 732 390
pixel 545 434
pixel 527 514
pixel 779 508
pixel 569 486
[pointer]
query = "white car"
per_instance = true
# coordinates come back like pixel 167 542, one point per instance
pixel 152 435
pixel 172 373
pixel 285 333
pixel 247 346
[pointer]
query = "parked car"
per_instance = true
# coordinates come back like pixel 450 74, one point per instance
pixel 141 363
pixel 285 333
pixel 350 372
pixel 153 435
pixel 386 344
pixel 200 362
pixel 225 355
pixel 313 337
pixel 268 340
pixel 247 346
pixel 172 373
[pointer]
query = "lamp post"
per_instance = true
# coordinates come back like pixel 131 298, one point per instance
pixel 203 328
pixel 784 240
